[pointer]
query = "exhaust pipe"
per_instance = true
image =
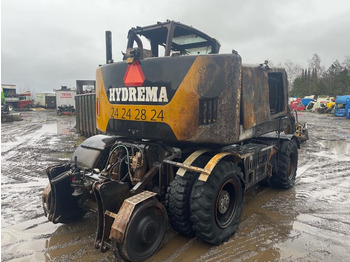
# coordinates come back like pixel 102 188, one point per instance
pixel 109 58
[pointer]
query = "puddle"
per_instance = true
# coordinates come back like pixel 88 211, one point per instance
pixel 55 128
pixel 337 147
pixel 49 129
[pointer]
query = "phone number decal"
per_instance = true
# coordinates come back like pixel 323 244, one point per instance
pixel 137 114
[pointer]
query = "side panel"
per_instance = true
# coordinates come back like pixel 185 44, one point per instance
pixel 85 114
pixel 264 95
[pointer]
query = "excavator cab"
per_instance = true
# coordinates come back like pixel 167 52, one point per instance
pixel 168 39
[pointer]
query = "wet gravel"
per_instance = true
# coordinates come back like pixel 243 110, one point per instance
pixel 310 222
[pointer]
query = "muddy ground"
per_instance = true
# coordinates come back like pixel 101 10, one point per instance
pixel 310 222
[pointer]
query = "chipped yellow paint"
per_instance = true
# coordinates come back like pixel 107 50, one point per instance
pixel 211 165
pixel 181 113
pixel 189 160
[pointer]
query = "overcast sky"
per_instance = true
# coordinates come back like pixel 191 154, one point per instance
pixel 49 43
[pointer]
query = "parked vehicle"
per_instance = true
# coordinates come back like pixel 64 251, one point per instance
pixel 340 105
pixel 318 106
pixel 185 134
pixel 64 96
pixel 312 106
pixel 305 101
pixel 323 108
pixel 66 110
pixel 330 105
pixel 25 100
pixel 297 105
pixel 347 108
pixel 7 115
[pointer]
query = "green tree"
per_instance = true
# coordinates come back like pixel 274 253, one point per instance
pixel 346 62
pixel 315 80
pixel 300 86
pixel 337 79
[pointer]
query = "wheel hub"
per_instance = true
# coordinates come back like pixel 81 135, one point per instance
pixel 148 231
pixel 145 231
pixel 224 202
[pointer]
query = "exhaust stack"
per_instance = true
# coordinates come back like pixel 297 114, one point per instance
pixel 109 58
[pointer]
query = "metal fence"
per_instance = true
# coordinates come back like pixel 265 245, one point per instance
pixel 85 114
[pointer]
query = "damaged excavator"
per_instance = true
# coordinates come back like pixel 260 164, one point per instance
pixel 186 131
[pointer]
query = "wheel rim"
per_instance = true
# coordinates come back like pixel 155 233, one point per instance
pixel 145 233
pixel 226 203
pixel 148 231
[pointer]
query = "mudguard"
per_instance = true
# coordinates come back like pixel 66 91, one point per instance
pixel 90 153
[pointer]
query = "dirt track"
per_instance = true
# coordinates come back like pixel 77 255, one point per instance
pixel 310 222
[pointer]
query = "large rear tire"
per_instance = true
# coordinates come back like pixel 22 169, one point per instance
pixel 217 205
pixel 285 164
pixel 178 203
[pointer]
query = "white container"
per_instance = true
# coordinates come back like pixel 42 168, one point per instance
pixel 65 97
pixel 39 99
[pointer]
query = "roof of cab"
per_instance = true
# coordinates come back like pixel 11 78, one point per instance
pixel 157 31
pixel 342 99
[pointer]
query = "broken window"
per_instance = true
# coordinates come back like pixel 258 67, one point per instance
pixel 188 43
pixel 276 93
pixel 170 39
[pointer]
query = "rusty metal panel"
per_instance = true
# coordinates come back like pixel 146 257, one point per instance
pixel 202 100
pixel 264 98
pixel 77 115
pixel 85 114
pixel 255 96
pixel 122 219
pixel 219 91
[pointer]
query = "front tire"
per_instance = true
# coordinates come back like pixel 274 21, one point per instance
pixel 144 233
pixel 217 205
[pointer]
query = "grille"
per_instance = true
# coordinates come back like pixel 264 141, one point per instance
pixel 208 111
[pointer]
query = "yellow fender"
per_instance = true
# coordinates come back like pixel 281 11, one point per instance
pixel 189 160
pixel 209 167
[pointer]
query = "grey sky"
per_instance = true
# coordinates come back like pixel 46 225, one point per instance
pixel 49 43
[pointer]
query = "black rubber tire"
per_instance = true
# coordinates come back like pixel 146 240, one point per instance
pixel 178 203
pixel 144 233
pixel 285 164
pixel 210 224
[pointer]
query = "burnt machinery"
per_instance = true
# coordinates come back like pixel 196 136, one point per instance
pixel 186 131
